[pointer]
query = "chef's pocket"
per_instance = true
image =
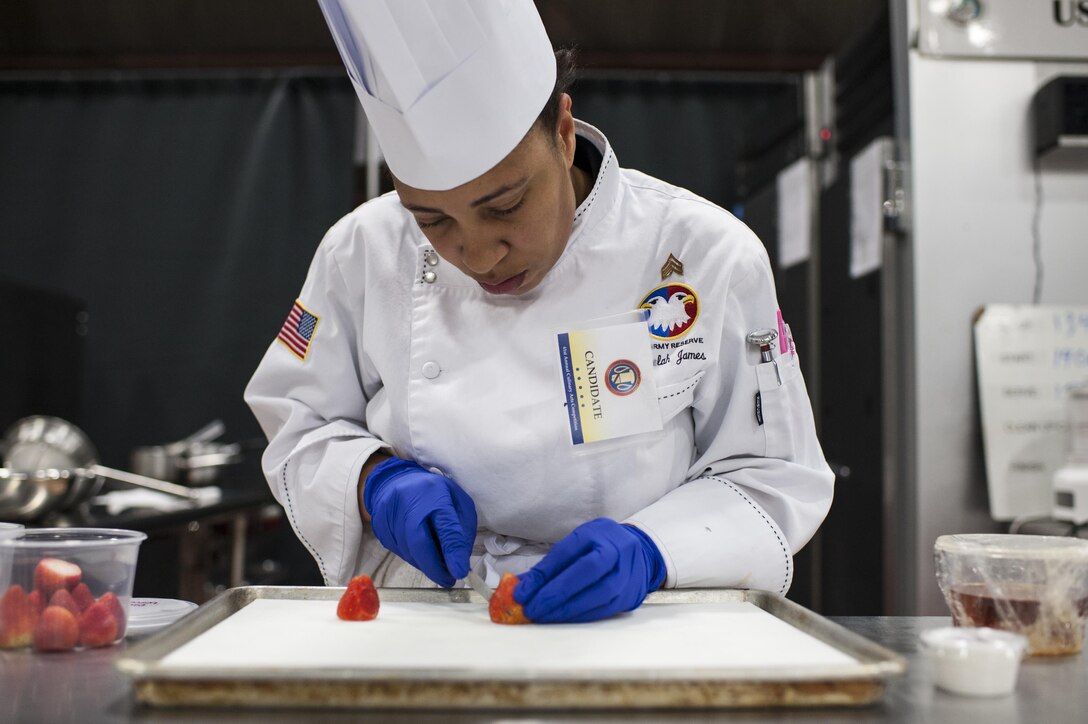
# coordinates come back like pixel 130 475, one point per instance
pixel 677 396
pixel 783 407
pixel 672 398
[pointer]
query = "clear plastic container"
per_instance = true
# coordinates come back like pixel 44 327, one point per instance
pixel 974 661
pixel 7 530
pixel 87 572
pixel 1036 586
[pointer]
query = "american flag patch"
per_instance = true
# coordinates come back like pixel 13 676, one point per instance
pixel 298 330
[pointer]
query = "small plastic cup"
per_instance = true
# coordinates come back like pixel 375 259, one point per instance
pixel 975 661
pixel 10 530
pixel 89 572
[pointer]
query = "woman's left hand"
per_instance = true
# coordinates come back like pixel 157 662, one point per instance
pixel 600 569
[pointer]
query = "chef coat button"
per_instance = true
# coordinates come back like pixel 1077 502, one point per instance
pixel 431 370
pixel 429 276
pixel 431 258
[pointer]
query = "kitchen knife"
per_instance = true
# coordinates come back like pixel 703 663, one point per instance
pixel 477 584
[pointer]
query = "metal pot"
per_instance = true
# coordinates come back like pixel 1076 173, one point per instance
pixel 50 464
pixel 196 460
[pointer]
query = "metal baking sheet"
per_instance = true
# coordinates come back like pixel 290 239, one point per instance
pixel 163 678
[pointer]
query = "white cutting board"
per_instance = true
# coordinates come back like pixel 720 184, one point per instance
pixel 668 638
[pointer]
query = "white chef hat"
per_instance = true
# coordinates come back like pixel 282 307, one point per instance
pixel 450 87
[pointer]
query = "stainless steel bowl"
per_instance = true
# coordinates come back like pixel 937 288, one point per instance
pixel 45 468
pixel 50 464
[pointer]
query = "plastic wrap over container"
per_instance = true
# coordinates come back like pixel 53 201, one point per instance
pixel 1032 585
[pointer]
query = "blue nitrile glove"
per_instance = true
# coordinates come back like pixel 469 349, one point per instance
pixel 423 517
pixel 600 569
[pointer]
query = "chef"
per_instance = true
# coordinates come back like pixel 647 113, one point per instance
pixel 527 358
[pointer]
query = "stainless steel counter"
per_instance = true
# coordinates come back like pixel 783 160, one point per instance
pixel 85 687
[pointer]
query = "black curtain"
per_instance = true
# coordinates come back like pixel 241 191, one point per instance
pixel 182 212
pixel 686 129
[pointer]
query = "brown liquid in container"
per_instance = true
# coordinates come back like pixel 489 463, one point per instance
pixel 1052 627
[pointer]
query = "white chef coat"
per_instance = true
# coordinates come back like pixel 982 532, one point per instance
pixel 467 383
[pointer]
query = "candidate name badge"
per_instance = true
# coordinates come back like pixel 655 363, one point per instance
pixel 608 379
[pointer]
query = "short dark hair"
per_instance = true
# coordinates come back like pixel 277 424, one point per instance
pixel 565 73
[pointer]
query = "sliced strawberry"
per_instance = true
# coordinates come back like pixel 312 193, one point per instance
pixel 57 630
pixel 111 602
pixel 360 600
pixel 34 598
pixel 83 596
pixel 97 626
pixel 64 599
pixel 17 618
pixel 53 574
pixel 502 607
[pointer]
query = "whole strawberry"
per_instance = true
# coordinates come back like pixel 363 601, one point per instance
pixel 56 630
pixel 64 599
pixel 360 600
pixel 17 618
pixel 82 596
pixel 113 604
pixel 97 626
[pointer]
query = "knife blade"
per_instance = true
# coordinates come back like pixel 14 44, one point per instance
pixel 477 584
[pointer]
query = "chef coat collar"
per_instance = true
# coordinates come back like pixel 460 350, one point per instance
pixel 598 202
pixel 587 157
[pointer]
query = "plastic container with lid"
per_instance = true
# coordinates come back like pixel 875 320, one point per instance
pixel 1036 586
pixel 974 661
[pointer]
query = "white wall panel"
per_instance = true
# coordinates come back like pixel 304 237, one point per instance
pixel 973 191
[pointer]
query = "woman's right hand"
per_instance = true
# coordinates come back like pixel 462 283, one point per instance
pixel 423 517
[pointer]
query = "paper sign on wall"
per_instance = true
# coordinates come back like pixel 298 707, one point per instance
pixel 866 208
pixel 1028 357
pixel 794 213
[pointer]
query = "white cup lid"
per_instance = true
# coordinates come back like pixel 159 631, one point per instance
pixel 147 615
pixel 965 641
pixel 10 530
